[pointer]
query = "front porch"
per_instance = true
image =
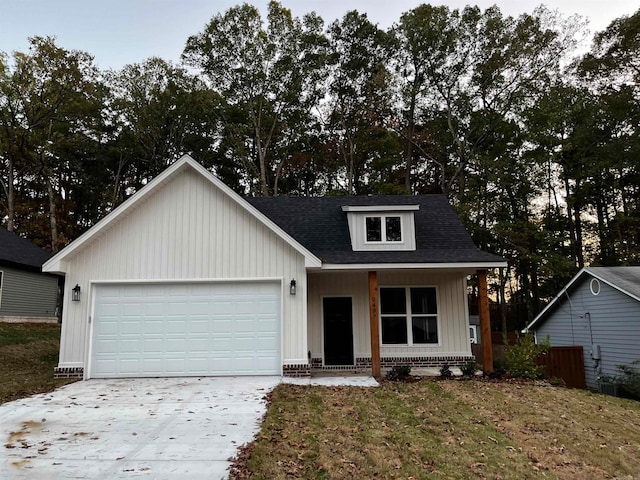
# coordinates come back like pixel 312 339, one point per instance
pixel 350 331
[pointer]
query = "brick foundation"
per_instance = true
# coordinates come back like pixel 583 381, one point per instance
pixel 300 370
pixel 363 364
pixel 68 372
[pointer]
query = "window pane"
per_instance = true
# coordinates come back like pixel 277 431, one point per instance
pixel 392 301
pixel 423 300
pixel 424 329
pixel 394 330
pixel 393 229
pixel 374 229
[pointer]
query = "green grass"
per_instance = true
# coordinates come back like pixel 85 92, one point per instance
pixel 453 429
pixel 28 355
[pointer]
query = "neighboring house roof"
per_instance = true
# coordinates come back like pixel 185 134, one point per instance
pixel 320 225
pixel 623 279
pixel 19 252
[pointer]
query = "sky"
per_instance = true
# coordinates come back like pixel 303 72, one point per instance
pixel 119 32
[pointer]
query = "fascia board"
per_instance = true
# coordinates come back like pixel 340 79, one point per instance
pixel 400 266
pixel 310 259
pixel 550 305
pixel 55 263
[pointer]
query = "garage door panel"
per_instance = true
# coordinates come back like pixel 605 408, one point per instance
pixel 186 329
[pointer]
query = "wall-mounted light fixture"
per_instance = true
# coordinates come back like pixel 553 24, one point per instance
pixel 292 287
pixel 75 293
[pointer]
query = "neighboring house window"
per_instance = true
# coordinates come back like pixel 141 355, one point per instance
pixel 409 315
pixel 473 333
pixel 384 229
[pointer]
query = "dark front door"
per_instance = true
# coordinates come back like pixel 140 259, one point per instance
pixel 338 331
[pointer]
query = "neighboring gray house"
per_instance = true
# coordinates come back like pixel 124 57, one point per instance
pixel 599 309
pixel 26 294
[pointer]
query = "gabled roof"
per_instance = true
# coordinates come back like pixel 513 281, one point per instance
pixel 19 252
pixel 623 279
pixel 320 224
pixel 58 262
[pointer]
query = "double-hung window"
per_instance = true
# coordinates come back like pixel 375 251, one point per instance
pixel 408 315
pixel 384 229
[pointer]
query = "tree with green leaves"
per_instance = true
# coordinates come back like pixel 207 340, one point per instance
pixel 268 78
pixel 358 104
pixel 159 112
pixel 51 119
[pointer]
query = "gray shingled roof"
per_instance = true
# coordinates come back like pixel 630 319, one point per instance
pixel 626 279
pixel 19 252
pixel 320 225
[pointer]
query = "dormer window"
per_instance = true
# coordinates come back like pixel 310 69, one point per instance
pixel 381 227
pixel 392 231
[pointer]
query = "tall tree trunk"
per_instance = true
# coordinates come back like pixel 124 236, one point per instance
pixel 9 191
pixel 502 298
pixel 53 219
pixel 411 126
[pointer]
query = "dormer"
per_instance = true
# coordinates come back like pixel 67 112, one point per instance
pixel 381 227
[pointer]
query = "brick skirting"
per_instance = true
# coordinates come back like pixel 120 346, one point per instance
pixel 68 372
pixel 300 370
pixel 364 363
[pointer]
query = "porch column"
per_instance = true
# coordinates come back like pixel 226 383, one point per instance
pixel 373 323
pixel 485 321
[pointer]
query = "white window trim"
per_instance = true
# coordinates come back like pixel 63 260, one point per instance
pixel 409 314
pixel 1 284
pixel 383 230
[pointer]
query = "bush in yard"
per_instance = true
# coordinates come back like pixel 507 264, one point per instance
pixel 629 380
pixel 469 368
pixel 399 373
pixel 445 371
pixel 520 359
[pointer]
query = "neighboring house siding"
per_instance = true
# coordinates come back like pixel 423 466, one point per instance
pixel 187 230
pixel 452 310
pixel 614 325
pixel 28 294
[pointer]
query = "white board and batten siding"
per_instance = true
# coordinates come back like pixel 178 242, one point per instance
pixel 453 314
pixel 186 230
pixel 613 323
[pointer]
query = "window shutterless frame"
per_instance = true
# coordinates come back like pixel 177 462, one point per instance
pixel 401 310
pixel 383 229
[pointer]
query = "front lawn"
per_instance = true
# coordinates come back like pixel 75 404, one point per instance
pixel 451 429
pixel 28 354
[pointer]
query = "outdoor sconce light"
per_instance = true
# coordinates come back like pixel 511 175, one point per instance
pixel 75 293
pixel 292 287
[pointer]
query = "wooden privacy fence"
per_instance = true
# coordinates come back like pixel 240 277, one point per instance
pixel 566 363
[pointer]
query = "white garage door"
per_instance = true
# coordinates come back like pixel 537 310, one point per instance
pixel 186 329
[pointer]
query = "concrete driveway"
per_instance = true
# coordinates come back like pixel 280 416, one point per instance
pixel 160 428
